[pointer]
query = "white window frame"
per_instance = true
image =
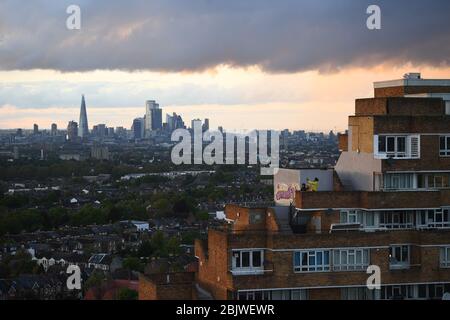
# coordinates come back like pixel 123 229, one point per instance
pixel 409 153
pixel 444 259
pixel 402 263
pixel 446 151
pixel 312 254
pixel 341 264
pixel 251 269
pixel 389 219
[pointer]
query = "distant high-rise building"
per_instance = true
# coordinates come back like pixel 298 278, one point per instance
pixel 153 116
pixel 72 131
pixel 54 129
pixel 100 130
pixel 121 132
pixel 174 122
pixel 19 132
pixel 205 126
pixel 35 129
pixel 83 131
pixel 110 132
pixel 195 123
pixel 138 128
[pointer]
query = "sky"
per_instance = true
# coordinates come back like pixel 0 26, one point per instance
pixel 244 64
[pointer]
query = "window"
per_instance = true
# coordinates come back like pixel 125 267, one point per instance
pixel 399 257
pixel 445 257
pixel 351 216
pixel 361 293
pixel 438 218
pixel 288 294
pixel 350 259
pixel 247 260
pixel 396 146
pixel 365 218
pixel 398 181
pixel 417 291
pixel 397 219
pixel 444 146
pixel 312 260
pixel 255 217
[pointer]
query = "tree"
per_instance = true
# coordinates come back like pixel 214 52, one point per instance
pixel 127 294
pixel 132 264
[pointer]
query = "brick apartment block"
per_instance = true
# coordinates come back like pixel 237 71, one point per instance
pixel 385 203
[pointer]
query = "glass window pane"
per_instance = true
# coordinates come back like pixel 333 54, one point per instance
pixel 401 143
pixel 257 259
pixel 391 144
pixel 245 259
pixel 382 144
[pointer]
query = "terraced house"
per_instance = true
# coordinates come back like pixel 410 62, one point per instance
pixel 385 203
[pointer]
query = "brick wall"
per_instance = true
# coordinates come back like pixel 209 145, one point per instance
pixel 402 90
pixel 170 286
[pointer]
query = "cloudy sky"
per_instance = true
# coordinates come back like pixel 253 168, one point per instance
pixel 244 64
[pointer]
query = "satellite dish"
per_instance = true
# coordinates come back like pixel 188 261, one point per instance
pixel 446 296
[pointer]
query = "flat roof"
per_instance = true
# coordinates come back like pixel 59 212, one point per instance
pixel 412 82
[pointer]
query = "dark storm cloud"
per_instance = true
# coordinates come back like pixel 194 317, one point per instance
pixel 196 34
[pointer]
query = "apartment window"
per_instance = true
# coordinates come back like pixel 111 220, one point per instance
pixel 445 257
pixel 360 293
pixel 247 260
pixel 398 292
pixel 350 259
pixel 396 219
pixel 287 294
pixel 439 218
pixel 397 146
pixel 365 218
pixel 399 256
pixel 399 181
pixel 433 180
pixel 255 217
pixel 312 260
pixel 418 291
pixel 444 146
pixel 351 216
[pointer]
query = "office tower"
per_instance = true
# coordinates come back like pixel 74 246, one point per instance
pixel 121 132
pixel 196 123
pixel 83 131
pixel 19 132
pixel 100 130
pixel 138 128
pixel 174 122
pixel 54 129
pixel 35 129
pixel 153 116
pixel 386 205
pixel 205 126
pixel 110 132
pixel 72 131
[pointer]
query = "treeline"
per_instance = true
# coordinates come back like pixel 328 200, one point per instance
pixel 29 220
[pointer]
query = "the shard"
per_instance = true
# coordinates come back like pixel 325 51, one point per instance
pixel 83 128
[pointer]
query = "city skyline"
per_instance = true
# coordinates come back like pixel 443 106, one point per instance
pixel 220 66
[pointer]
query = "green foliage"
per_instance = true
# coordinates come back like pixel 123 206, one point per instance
pixel 127 294
pixel 133 264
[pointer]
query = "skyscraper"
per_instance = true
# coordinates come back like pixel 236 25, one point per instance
pixel 153 116
pixel 138 128
pixel 83 130
pixel 54 129
pixel 35 129
pixel 72 131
